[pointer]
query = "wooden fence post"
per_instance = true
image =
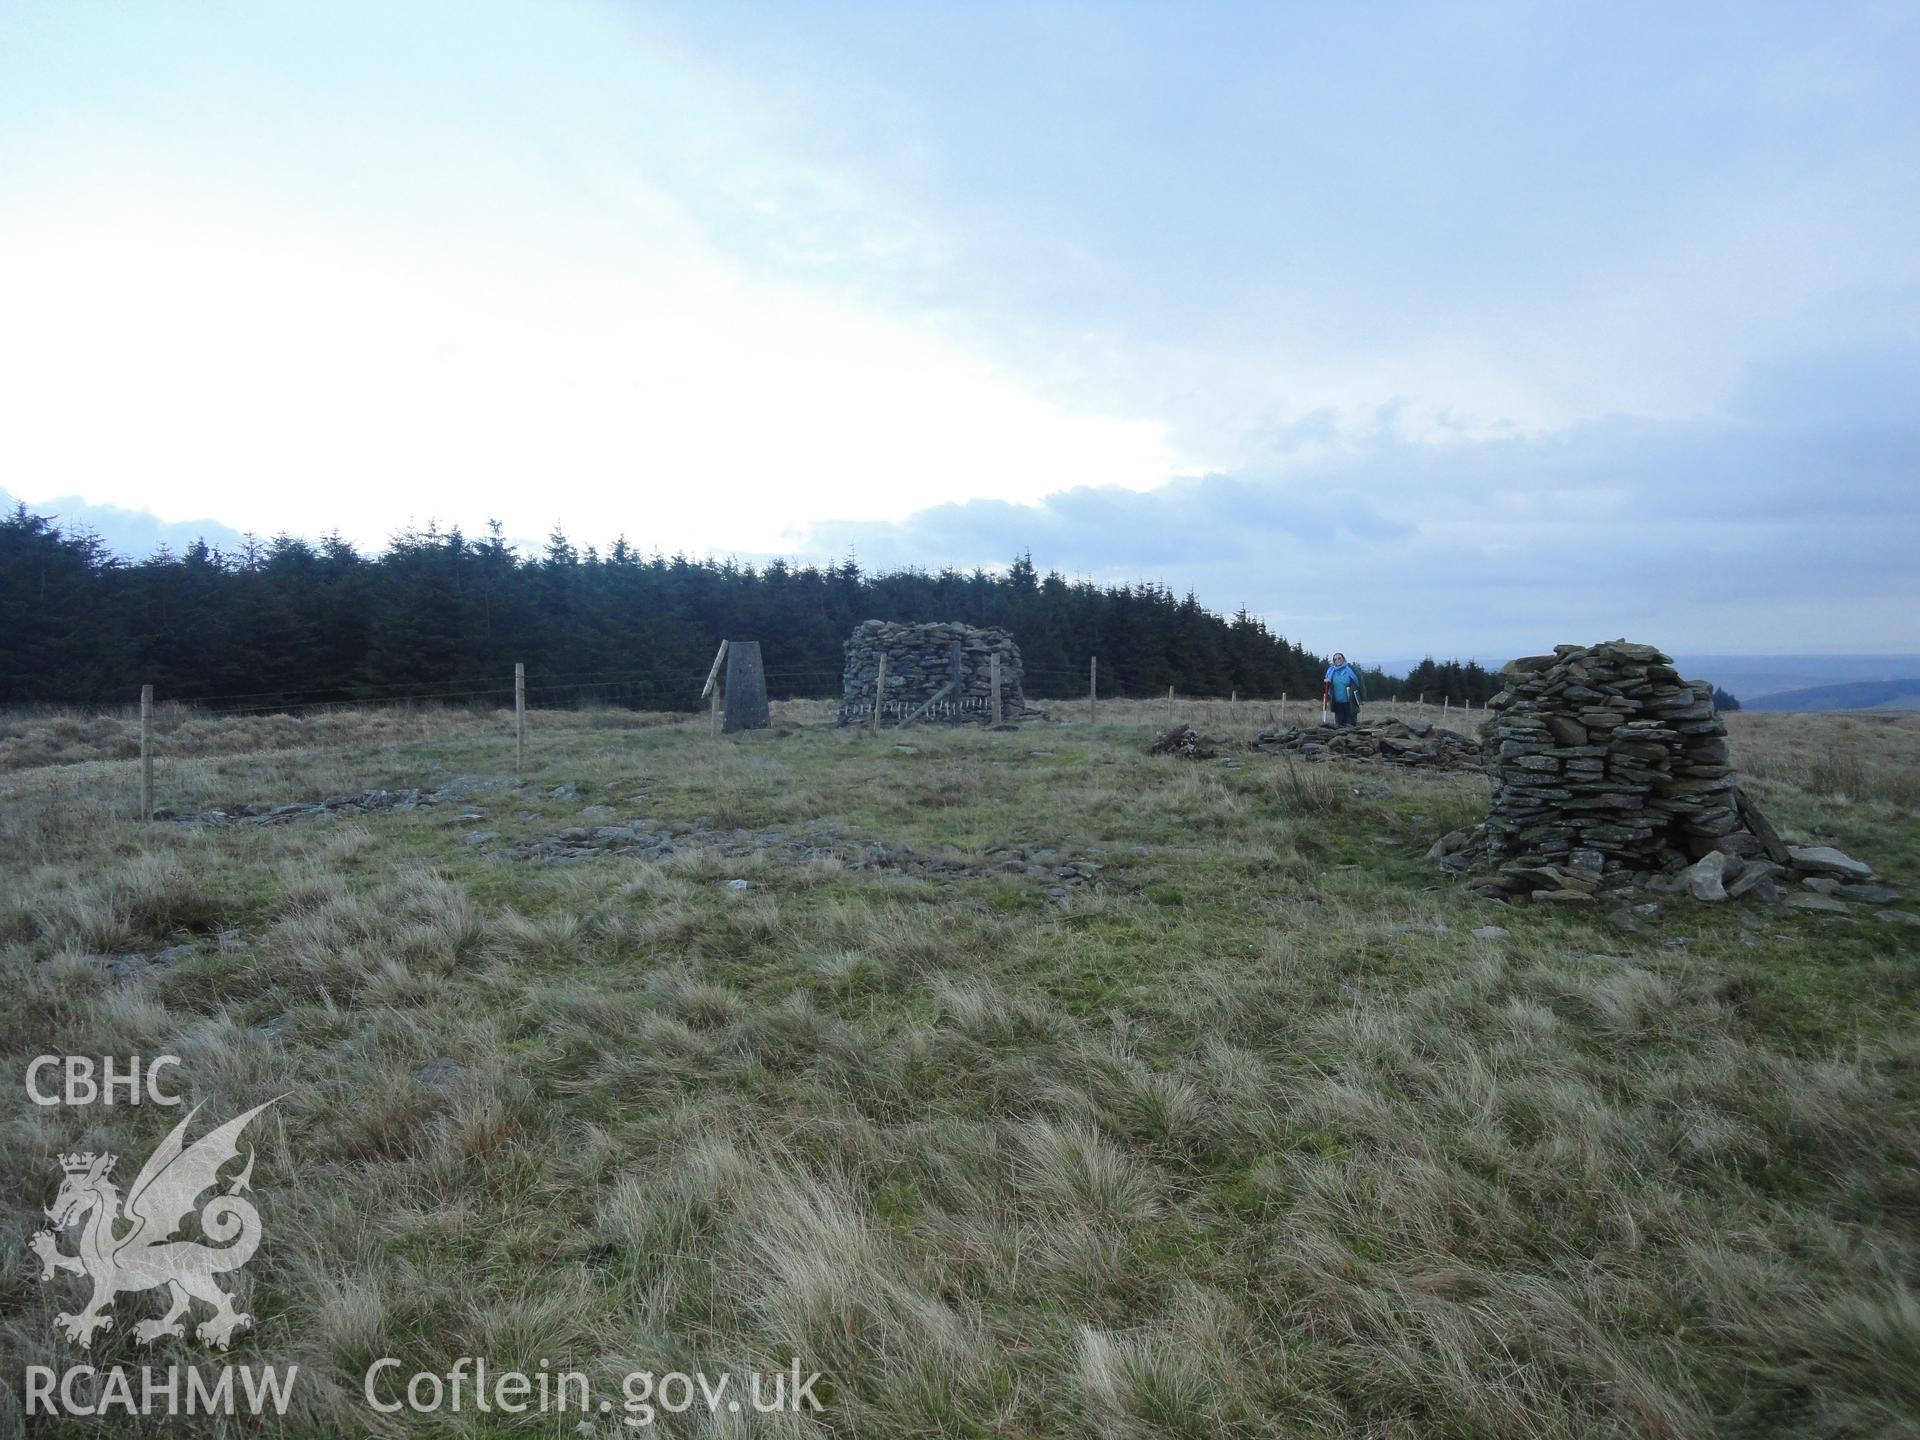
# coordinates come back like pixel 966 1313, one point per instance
pixel 146 752
pixel 519 719
pixel 712 687
pixel 1169 706
pixel 1093 687
pixel 879 691
pixel 993 678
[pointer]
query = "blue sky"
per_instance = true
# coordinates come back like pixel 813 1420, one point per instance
pixel 1462 328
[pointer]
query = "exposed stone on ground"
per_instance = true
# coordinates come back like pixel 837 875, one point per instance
pixel 1490 932
pixel 823 840
pixel 134 966
pixel 276 1030
pixel 1183 741
pixel 1706 877
pixel 1825 860
pixel 1397 742
pixel 365 802
pixel 1807 900
pixel 437 1070
pixel 1897 917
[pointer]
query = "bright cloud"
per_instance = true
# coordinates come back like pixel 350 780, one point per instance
pixel 1224 294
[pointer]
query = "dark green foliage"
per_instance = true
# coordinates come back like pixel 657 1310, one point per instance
pixel 441 614
pixel 1436 682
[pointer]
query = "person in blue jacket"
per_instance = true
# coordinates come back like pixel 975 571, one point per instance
pixel 1341 690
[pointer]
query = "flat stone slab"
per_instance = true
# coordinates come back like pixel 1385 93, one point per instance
pixel 1825 860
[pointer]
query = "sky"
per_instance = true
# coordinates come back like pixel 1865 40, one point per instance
pixel 1461 329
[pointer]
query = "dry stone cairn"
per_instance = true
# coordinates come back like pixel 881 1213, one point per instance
pixel 934 672
pixel 1605 765
pixel 1611 773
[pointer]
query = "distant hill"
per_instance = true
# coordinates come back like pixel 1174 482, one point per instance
pixel 130 534
pixel 1860 695
pixel 1752 677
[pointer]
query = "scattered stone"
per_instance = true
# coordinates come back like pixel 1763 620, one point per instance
pixel 438 1070
pixel 1757 879
pixel 1870 894
pixel 481 837
pixel 120 967
pixel 1704 878
pixel 908 749
pixel 1897 917
pixel 1490 932
pixel 1395 742
pixel 568 791
pixel 1375 790
pixel 739 887
pixel 228 941
pixel 1183 741
pixel 365 802
pixel 1825 860
pixel 590 810
pixel 1806 900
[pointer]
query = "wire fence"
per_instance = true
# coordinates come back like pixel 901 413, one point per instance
pixel 1056 694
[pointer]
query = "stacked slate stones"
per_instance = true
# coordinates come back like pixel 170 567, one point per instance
pixel 923 661
pixel 1605 764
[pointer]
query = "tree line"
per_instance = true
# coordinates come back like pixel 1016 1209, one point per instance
pixel 438 612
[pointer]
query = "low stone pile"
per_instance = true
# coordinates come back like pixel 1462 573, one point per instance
pixel 1182 741
pixel 1397 742
pixel 934 672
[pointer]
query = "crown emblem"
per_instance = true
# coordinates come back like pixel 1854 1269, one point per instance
pixel 79 1162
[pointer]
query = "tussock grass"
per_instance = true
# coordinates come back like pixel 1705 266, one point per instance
pixel 1246 1137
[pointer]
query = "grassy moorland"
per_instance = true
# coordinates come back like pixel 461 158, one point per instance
pixel 1206 1114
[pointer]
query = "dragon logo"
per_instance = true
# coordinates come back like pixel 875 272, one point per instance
pixel 143 1253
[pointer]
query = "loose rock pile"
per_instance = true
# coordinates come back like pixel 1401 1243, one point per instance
pixel 1183 741
pixel 945 667
pixel 1398 742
